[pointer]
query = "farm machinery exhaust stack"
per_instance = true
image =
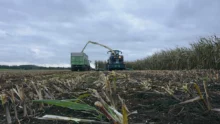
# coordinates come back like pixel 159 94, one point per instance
pixel 80 61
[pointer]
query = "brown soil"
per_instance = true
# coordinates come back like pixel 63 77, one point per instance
pixel 141 91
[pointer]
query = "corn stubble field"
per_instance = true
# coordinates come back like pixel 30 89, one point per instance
pixel 134 97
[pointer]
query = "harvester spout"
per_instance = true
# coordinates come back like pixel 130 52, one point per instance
pixel 99 45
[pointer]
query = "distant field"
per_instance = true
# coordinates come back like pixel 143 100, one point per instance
pixel 17 70
pixel 33 70
pixel 154 94
pixel 5 69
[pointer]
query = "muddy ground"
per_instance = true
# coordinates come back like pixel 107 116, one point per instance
pixel 143 91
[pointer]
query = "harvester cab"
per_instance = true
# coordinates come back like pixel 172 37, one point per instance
pixel 116 56
pixel 117 52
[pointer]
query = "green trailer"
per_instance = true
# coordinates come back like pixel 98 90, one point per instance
pixel 79 62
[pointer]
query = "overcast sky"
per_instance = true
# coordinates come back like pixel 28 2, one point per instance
pixel 45 32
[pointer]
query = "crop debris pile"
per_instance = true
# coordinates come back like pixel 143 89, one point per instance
pixel 148 96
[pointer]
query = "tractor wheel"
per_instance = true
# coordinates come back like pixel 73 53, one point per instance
pixel 73 69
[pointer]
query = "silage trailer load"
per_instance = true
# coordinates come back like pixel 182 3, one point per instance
pixel 79 61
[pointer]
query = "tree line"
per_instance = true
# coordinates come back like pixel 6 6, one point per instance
pixel 31 67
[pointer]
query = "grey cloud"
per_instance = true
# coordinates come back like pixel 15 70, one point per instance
pixel 197 14
pixel 46 31
pixel 43 9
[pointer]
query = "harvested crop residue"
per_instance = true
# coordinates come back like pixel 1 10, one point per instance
pixel 154 96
